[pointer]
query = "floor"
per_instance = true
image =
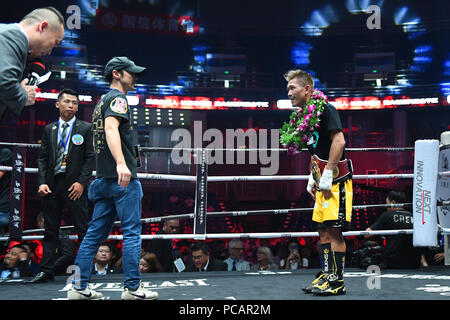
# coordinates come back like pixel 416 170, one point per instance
pixel 422 284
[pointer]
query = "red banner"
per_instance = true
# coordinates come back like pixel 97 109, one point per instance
pixel 119 21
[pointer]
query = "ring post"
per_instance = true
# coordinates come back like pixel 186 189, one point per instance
pixel 426 156
pixel 201 192
pixel 443 191
pixel 17 194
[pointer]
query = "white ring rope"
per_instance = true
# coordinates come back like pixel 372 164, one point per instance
pixel 237 213
pixel 261 235
pixel 240 213
pixel 239 178
pixel 167 149
pixel 444 174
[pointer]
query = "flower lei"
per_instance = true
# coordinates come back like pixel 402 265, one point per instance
pixel 302 123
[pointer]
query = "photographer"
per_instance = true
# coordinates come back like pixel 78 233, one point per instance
pixel 399 252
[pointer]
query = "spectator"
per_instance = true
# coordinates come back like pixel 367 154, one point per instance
pixel 264 259
pixel 399 251
pixel 103 260
pixel 202 261
pixel 434 256
pixel 30 248
pixel 163 248
pixel 188 205
pixel 149 263
pixel 5 186
pixel 280 254
pixel 174 204
pixel 16 263
pixel 219 250
pixel 235 261
pixel 294 259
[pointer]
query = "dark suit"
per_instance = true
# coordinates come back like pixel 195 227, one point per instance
pixel 214 265
pixel 80 161
pixel 111 269
pixel 14 53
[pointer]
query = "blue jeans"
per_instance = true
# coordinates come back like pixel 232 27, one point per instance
pixel 111 200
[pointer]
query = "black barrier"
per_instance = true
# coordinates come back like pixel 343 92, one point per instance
pixel 17 193
pixel 201 193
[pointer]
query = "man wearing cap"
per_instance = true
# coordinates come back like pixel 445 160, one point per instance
pixel 116 191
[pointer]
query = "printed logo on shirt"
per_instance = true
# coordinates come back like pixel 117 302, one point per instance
pixel 119 105
pixel 314 139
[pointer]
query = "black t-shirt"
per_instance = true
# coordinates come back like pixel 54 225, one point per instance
pixel 399 252
pixel 320 142
pixel 5 181
pixel 114 104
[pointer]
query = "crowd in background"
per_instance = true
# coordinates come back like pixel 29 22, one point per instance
pixel 21 259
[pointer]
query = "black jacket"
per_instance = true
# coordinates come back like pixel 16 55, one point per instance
pixel 23 267
pixel 111 269
pixel 80 158
pixel 214 265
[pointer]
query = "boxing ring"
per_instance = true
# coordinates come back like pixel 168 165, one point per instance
pixel 424 284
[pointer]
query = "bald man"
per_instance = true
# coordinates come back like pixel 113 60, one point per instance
pixel 34 36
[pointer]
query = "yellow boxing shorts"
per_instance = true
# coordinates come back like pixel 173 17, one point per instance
pixel 337 210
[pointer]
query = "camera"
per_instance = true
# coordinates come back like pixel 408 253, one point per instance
pixel 371 254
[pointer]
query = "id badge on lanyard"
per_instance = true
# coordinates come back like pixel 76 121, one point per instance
pixel 64 144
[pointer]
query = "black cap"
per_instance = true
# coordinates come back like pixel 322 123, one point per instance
pixel 123 63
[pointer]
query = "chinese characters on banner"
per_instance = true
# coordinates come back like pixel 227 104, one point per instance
pixel 17 194
pixel 118 21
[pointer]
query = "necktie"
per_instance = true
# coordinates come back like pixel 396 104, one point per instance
pixel 234 266
pixel 60 150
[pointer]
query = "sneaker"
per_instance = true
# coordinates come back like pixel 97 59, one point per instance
pixel 332 287
pixel 86 294
pixel 320 279
pixel 139 294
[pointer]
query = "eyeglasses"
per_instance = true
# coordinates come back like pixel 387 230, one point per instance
pixel 238 249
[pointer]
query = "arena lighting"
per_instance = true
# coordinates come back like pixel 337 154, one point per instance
pixel 54 96
pixel 359 6
pixel 300 53
pixel 320 19
pixel 132 100
pixel 370 103
pixel 446 69
pixel 203 103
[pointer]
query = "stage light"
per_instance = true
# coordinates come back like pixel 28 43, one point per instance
pixel 352 6
pixel 300 53
pixel 399 15
pixel 423 49
pixel 422 59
